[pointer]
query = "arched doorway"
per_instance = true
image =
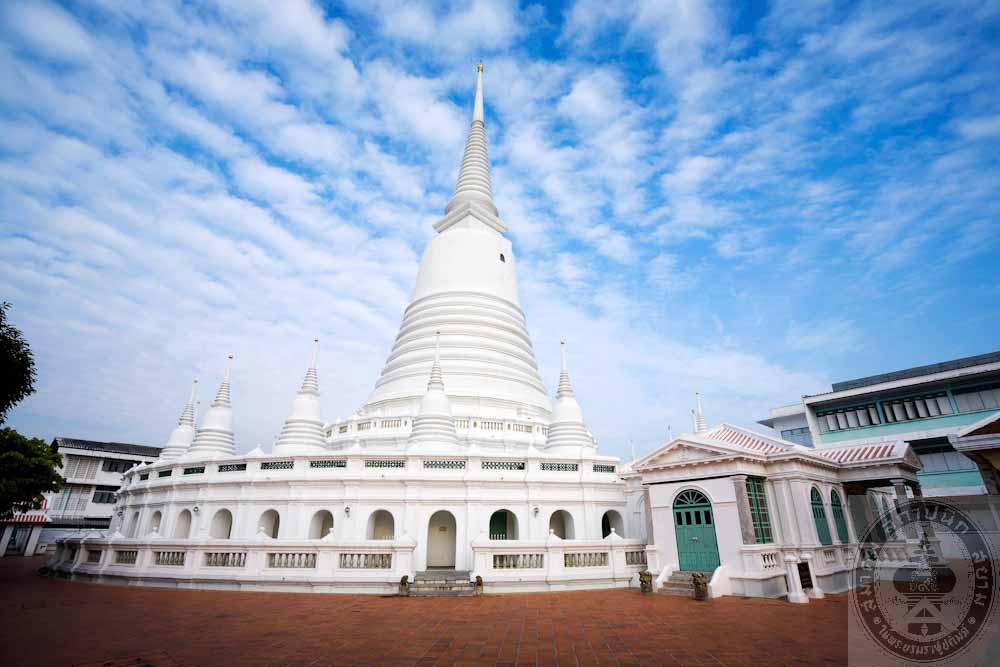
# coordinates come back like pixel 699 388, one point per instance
pixel 697 546
pixel 222 525
pixel 269 523
pixel 561 523
pixel 154 523
pixel 441 540
pixel 612 519
pixel 182 528
pixel 503 525
pixel 381 526
pixel 321 525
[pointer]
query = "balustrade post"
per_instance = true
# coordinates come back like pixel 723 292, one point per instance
pixel 795 592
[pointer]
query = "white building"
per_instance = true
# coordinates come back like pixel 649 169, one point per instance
pixel 93 474
pixel 928 407
pixel 458 460
pixel 766 517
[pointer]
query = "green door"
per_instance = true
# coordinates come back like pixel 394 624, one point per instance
pixel 697 548
pixel 498 525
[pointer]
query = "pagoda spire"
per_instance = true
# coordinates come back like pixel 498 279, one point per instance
pixel 215 435
pixel 182 436
pixel 434 424
pixel 474 180
pixel 303 429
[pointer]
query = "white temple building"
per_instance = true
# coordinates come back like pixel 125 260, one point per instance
pixel 461 466
pixel 459 460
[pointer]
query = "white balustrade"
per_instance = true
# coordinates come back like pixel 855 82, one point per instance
pixel 225 558
pixel 586 559
pixel 291 560
pixel 126 557
pixel 366 561
pixel 518 561
pixel 171 558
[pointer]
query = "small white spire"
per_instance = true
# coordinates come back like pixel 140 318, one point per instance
pixel 567 431
pixel 302 432
pixel 214 436
pixel 182 436
pixel 433 426
pixel 699 420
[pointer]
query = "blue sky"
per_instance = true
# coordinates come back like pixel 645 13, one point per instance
pixel 747 200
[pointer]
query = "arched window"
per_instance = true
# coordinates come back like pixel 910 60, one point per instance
pixel 561 523
pixel 612 519
pixel 819 517
pixel 182 526
pixel 381 526
pixel 222 525
pixel 269 523
pixel 321 525
pixel 154 523
pixel 503 525
pixel 838 518
pixel 133 528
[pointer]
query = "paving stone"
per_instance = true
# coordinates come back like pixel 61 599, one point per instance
pixel 46 621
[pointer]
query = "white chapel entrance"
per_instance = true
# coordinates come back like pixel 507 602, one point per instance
pixel 441 540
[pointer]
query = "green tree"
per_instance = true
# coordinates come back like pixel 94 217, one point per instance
pixel 27 466
pixel 17 381
pixel 27 470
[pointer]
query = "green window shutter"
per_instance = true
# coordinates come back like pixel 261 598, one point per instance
pixel 819 515
pixel 838 517
pixel 758 510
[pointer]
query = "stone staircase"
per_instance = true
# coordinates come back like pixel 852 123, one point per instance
pixel 680 583
pixel 442 583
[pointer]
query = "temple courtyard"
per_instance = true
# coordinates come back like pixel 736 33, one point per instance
pixel 46 621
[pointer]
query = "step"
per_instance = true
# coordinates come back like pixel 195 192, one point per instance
pixel 677 590
pixel 438 575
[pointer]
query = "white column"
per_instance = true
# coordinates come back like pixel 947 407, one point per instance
pixel 29 548
pixel 8 531
pixel 795 592
pixel 789 524
pixel 815 592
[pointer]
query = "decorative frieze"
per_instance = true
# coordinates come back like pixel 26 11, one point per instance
pixel 444 464
pixel 604 467
pixel 232 467
pixel 385 463
pixel 94 555
pixel 277 465
pixel 166 473
pixel 503 465
pixel 561 467
pixel 329 463
pixel 197 470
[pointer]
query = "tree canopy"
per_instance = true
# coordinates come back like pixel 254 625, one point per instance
pixel 17 381
pixel 27 471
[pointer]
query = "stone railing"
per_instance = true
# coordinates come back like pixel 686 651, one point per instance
pixel 291 560
pixel 356 566
pixel 366 561
pixel 94 555
pixel 225 558
pixel 518 561
pixel 172 558
pixel 127 557
pixel 554 563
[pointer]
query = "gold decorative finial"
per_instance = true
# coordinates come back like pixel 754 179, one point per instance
pixel 479 67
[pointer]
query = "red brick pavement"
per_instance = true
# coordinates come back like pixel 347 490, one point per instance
pixel 47 621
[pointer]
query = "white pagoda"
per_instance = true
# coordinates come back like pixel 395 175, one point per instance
pixel 459 464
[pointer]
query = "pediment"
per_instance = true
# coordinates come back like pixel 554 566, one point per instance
pixel 681 453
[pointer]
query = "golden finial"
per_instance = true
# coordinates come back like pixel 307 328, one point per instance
pixel 479 67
